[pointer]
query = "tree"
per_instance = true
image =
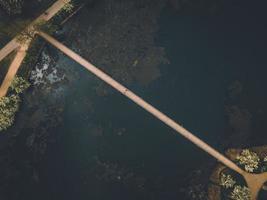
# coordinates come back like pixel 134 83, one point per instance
pixel 19 84
pixel 8 107
pixel 227 181
pixel 240 193
pixel 250 160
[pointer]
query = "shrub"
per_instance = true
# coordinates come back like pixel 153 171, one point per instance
pixel 19 84
pixel 249 160
pixel 68 7
pixel 8 108
pixel 240 193
pixel 227 181
pixel 9 105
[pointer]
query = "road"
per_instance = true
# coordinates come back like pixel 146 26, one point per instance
pixel 14 45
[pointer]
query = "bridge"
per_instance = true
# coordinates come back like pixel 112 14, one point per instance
pixel 254 181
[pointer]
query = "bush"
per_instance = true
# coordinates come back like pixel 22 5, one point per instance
pixel 227 181
pixel 240 193
pixel 9 105
pixel 249 160
pixel 68 7
pixel 8 108
pixel 19 84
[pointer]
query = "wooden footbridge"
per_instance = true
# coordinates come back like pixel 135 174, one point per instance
pixel 254 181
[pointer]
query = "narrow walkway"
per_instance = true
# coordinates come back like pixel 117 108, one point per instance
pixel 6 50
pixel 13 68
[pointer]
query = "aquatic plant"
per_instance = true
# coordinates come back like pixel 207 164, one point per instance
pixel 12 29
pixel 19 84
pixel 12 6
pixel 227 181
pixel 248 159
pixel 240 193
pixel 8 107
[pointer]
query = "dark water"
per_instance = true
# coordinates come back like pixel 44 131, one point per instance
pixel 207 53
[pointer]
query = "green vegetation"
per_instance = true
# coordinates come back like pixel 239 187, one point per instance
pixel 9 105
pixel 19 84
pixel 233 189
pixel 29 33
pixel 12 7
pixel 240 193
pixel 249 160
pixel 68 7
pixel 233 186
pixel 227 181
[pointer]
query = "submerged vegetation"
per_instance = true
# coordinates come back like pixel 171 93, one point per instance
pixel 10 30
pixel 12 6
